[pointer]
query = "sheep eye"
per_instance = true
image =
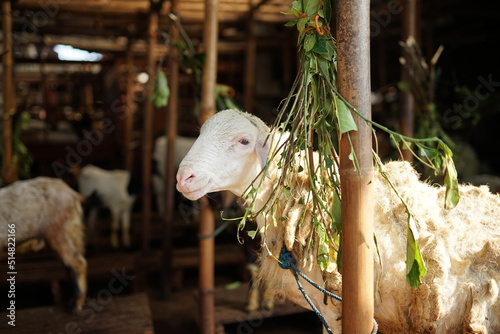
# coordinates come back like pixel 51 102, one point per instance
pixel 244 141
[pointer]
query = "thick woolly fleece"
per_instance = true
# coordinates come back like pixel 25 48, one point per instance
pixel 461 246
pixel 47 208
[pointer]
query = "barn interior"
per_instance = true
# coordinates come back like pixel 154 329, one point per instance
pixel 76 83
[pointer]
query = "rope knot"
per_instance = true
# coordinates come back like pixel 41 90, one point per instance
pixel 286 260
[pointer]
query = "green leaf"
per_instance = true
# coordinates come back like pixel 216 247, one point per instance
pixel 322 257
pixel 415 267
pixel 161 92
pixel 292 22
pixel 309 41
pixel 351 155
pixel 324 64
pixel 233 286
pixel 320 46
pixel 286 191
pixel 339 258
pixel 406 145
pixel 345 119
pixel 301 24
pixel 297 5
pixel 310 7
pixel 327 11
pixel 252 234
pixel 328 162
pixel 405 86
pixel 452 195
pixel 292 11
pixel 337 213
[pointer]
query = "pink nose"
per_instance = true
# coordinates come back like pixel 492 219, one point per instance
pixel 184 178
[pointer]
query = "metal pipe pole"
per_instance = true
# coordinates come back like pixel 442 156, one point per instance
pixel 207 217
pixel 353 36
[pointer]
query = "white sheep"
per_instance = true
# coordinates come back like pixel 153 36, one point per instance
pixel 182 146
pixel 48 209
pixel 461 246
pixel 111 188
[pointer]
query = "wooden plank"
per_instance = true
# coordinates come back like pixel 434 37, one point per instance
pixel 224 254
pixel 119 314
pixel 183 258
pixel 54 270
pixel 230 307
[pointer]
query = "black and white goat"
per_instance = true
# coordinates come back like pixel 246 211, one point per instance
pixel 108 189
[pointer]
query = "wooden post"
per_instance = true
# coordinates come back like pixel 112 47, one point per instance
pixel 353 35
pixel 129 110
pixel 407 99
pixel 147 135
pixel 207 217
pixel 171 135
pixel 250 60
pixel 9 171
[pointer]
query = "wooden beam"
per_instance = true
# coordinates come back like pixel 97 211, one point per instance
pixel 357 207
pixel 9 170
pixel 407 99
pixel 129 111
pixel 92 7
pixel 250 60
pixel 207 216
pixel 147 134
pixel 171 119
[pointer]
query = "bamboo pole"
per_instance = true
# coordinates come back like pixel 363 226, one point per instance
pixel 129 112
pixel 250 60
pixel 407 99
pixel 171 135
pixel 9 171
pixel 207 217
pixel 357 208
pixel 147 135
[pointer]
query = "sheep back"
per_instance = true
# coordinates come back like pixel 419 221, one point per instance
pixel 460 247
pixel 38 207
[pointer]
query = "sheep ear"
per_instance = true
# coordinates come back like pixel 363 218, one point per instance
pixel 262 149
pixel 263 142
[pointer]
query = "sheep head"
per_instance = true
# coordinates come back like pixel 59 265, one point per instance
pixel 229 153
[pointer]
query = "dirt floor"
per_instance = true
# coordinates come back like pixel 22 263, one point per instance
pixel 178 314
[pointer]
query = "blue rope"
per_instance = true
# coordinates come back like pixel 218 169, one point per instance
pixel 217 231
pixel 287 261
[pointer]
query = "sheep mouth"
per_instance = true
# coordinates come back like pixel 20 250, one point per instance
pixel 196 194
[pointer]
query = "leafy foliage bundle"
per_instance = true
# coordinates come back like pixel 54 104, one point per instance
pixel 316 115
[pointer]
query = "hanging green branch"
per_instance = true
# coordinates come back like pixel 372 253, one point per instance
pixel 192 63
pixel 21 157
pixel 316 115
pixel 161 91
